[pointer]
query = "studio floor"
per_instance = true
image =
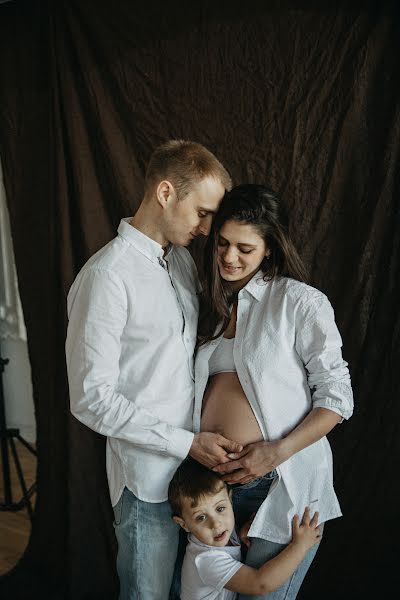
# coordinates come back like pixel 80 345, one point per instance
pixel 15 527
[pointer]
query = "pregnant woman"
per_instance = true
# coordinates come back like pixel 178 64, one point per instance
pixel 269 374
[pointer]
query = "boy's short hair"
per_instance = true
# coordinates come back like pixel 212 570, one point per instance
pixel 184 163
pixel 192 481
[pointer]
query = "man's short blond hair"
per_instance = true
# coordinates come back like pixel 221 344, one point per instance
pixel 183 163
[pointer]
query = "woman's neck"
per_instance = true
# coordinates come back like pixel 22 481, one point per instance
pixel 238 285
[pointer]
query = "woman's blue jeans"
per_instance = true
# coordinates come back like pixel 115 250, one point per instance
pixel 147 547
pixel 247 499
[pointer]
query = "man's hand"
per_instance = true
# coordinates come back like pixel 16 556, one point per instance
pixel 306 533
pixel 254 461
pixel 212 449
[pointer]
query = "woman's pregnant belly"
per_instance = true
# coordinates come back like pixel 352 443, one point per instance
pixel 226 410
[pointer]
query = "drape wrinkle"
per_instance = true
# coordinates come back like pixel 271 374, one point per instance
pixel 302 98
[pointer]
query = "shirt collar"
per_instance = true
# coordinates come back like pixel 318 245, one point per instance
pixel 150 248
pixel 256 286
pixel 234 538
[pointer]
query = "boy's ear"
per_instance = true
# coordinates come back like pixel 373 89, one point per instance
pixel 180 522
pixel 230 493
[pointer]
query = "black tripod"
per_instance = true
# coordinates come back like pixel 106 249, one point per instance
pixel 7 442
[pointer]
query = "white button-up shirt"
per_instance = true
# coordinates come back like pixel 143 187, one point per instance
pixel 131 335
pixel 287 353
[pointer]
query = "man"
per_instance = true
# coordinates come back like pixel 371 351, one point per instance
pixel 133 314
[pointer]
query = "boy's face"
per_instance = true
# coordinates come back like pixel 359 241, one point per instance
pixel 211 520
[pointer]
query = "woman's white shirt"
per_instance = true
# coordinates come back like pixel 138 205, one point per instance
pixel 288 358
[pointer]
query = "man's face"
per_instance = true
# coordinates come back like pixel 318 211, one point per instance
pixel 192 215
pixel 211 520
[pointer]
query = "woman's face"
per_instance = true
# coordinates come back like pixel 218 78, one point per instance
pixel 241 250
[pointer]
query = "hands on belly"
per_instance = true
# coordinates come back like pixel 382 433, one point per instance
pixel 211 449
pixel 253 461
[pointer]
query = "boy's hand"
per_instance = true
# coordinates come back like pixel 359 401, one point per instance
pixel 244 530
pixel 306 533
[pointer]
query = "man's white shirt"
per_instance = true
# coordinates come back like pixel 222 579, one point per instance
pixel 131 337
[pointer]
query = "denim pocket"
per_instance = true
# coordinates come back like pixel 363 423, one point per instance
pixel 118 510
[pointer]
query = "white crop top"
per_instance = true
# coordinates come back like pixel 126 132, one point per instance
pixel 221 360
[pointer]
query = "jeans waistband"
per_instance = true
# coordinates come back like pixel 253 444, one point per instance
pixel 255 482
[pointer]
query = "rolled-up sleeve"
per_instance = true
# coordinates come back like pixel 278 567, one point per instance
pixel 97 310
pixel 318 343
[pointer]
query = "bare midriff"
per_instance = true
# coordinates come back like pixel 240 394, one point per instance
pixel 226 410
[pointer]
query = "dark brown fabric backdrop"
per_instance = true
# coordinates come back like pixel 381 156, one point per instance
pixel 304 98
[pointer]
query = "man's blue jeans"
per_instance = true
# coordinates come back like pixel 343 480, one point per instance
pixel 147 548
pixel 246 500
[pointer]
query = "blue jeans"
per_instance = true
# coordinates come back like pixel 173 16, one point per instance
pixel 147 547
pixel 246 500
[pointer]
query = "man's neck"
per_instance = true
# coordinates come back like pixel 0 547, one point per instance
pixel 146 222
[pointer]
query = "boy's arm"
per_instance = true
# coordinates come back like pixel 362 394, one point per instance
pixel 272 574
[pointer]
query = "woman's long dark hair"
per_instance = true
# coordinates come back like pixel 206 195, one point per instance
pixel 255 205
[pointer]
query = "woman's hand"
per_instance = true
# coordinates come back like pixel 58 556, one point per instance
pixel 255 460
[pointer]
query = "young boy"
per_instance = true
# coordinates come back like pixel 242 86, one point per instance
pixel 212 570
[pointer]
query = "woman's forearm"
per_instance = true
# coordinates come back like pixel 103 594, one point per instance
pixel 318 423
pixel 259 458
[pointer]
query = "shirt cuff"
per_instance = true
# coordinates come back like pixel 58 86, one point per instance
pixel 180 442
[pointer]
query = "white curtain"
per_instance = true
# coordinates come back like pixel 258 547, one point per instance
pixel 11 318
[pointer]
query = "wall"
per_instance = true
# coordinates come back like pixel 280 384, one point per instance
pixel 17 373
pixel 17 387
